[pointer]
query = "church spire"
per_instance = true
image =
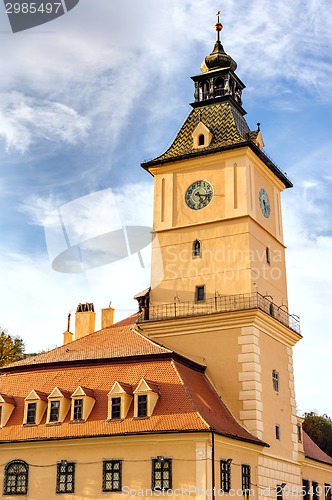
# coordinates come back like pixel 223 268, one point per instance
pixel 218 79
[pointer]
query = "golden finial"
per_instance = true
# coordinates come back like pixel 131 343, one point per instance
pixel 218 26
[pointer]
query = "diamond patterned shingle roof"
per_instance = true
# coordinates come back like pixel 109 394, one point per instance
pixel 229 130
pixel 222 119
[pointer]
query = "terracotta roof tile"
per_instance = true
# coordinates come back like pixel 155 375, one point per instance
pixel 8 399
pixel 210 406
pixel 311 450
pixel 116 341
pixel 187 401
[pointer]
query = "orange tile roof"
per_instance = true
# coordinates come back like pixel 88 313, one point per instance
pixel 312 450
pixel 187 400
pixel 116 341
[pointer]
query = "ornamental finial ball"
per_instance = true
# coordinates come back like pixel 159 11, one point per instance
pixel 218 26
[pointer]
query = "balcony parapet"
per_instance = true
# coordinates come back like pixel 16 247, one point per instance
pixel 220 304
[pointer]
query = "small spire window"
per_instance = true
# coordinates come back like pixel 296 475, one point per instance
pixel 201 140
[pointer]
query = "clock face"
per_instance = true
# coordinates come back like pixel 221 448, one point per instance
pixel 264 203
pixel 198 195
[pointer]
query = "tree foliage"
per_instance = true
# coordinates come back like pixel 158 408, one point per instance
pixel 319 428
pixel 11 348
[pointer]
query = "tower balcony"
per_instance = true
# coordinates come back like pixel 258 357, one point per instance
pixel 220 304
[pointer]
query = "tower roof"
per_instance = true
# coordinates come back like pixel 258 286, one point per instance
pixel 226 124
pixel 218 59
pixel 229 130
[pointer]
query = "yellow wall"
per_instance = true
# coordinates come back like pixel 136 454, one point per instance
pixel 191 463
pixel 232 229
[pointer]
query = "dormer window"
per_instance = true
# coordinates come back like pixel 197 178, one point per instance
pixel 83 400
pixel 34 408
pixel 54 411
pixel 146 396
pixel 31 413
pixel 78 409
pixel 58 406
pixel 116 408
pixel 202 136
pixel 7 405
pixel 119 400
pixel 142 406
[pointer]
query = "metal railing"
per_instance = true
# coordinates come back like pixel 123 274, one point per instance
pixel 220 304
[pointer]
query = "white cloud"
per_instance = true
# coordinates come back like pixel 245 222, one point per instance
pixel 90 71
pixel 26 120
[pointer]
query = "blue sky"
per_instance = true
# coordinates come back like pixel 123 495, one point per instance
pixel 88 97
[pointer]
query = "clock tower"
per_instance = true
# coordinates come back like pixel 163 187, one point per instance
pixel 218 289
pixel 217 213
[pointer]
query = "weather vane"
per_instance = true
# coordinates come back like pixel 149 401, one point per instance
pixel 218 26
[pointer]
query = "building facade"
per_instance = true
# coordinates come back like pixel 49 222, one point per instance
pixel 194 395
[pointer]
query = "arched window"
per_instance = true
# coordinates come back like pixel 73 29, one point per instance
pixel 206 90
pixel 201 140
pixel 218 87
pixel 16 478
pixel 197 249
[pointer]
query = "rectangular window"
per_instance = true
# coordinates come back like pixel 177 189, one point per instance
pixel 31 413
pixel 275 380
pixel 54 411
pixel 315 490
pixel 78 409
pixel 116 407
pixel 112 475
pixel 278 432
pixel 225 475
pixel 142 406
pixel 305 489
pixel 161 473
pixel 299 433
pixel 327 491
pixel 268 256
pixel 65 480
pixel 0 415
pixel 246 480
pixel 200 293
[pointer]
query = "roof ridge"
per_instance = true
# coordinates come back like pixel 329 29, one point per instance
pixel 153 342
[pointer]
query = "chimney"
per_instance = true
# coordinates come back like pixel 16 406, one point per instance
pixel 107 317
pixel 67 336
pixel 84 320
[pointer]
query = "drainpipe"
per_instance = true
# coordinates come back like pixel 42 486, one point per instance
pixel 213 479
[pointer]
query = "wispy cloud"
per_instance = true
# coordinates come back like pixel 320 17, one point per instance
pixel 26 120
